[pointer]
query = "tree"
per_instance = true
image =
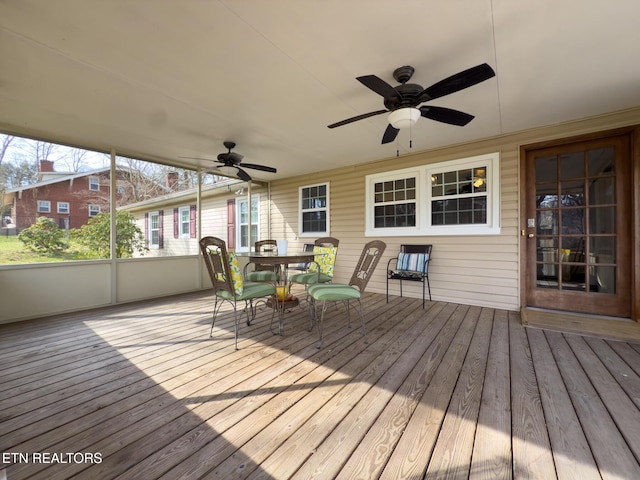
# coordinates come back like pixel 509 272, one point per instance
pixel 6 142
pixel 44 236
pixel 95 235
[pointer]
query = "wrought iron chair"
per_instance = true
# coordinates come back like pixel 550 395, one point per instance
pixel 228 284
pixel 336 292
pixel 260 272
pixel 321 269
pixel 411 264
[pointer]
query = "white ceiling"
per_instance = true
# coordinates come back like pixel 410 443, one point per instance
pixel 168 79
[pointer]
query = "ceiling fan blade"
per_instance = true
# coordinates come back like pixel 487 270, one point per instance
pixel 263 168
pixel 198 158
pixel 379 86
pixel 390 134
pixel 355 119
pixel 446 115
pixel 457 82
pixel 242 175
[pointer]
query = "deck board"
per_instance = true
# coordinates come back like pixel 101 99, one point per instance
pixel 449 391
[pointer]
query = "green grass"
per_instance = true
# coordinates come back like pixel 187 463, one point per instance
pixel 13 252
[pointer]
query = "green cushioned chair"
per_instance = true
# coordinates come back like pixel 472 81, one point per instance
pixel 229 285
pixel 321 269
pixel 338 292
pixel 262 273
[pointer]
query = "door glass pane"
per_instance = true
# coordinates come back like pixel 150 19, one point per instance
pixel 546 249
pixel 603 279
pixel 572 165
pixel 547 263
pixel 573 221
pixel 546 169
pixel 602 220
pixel 602 191
pixel 572 193
pixel 573 249
pixel 602 250
pixel 601 161
pixel 547 222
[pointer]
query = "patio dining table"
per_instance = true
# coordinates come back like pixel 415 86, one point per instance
pixel 281 260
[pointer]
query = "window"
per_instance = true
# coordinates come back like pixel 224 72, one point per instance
pixel 94 210
pixel 44 206
pixel 94 183
pixel 314 210
pixel 242 229
pixel 63 207
pixel 459 197
pixel 184 222
pixel 154 230
pixel 395 201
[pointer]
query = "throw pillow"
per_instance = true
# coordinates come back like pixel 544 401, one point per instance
pixel 325 257
pixel 412 261
pixel 236 273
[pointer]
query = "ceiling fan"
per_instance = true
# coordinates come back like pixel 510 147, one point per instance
pixel 231 162
pixel 402 101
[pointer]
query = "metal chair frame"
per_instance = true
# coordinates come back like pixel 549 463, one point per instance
pixel 418 277
pixel 216 258
pixel 366 265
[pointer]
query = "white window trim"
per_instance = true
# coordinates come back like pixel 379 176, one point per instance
pixel 370 229
pixel 423 195
pixel 94 181
pixel 44 206
pixel 181 234
pixel 68 209
pixel 152 245
pixel 327 209
pixel 93 207
pixel 256 221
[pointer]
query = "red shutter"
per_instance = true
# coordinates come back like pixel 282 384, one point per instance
pixel 231 224
pixel 192 221
pixel 161 229
pixel 176 223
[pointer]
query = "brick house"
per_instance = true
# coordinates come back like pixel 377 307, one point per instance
pixel 70 199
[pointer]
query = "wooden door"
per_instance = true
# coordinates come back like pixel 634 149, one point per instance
pixel 578 227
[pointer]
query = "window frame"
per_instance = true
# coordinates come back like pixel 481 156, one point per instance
pixel 62 211
pixel 152 245
pixel 424 198
pixel 44 206
pixel 182 222
pixel 255 220
pixel 94 181
pixel 372 180
pixel 93 210
pixel 302 211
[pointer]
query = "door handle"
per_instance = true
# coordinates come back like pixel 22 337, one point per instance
pixel 531 235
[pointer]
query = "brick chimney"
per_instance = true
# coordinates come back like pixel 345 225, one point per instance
pixel 46 166
pixel 172 180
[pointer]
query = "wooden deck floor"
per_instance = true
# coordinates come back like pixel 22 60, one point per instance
pixel 140 392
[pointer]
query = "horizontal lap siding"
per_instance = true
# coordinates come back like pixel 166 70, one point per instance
pixel 479 270
pixel 476 270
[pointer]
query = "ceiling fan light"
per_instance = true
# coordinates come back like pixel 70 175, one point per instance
pixel 404 117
